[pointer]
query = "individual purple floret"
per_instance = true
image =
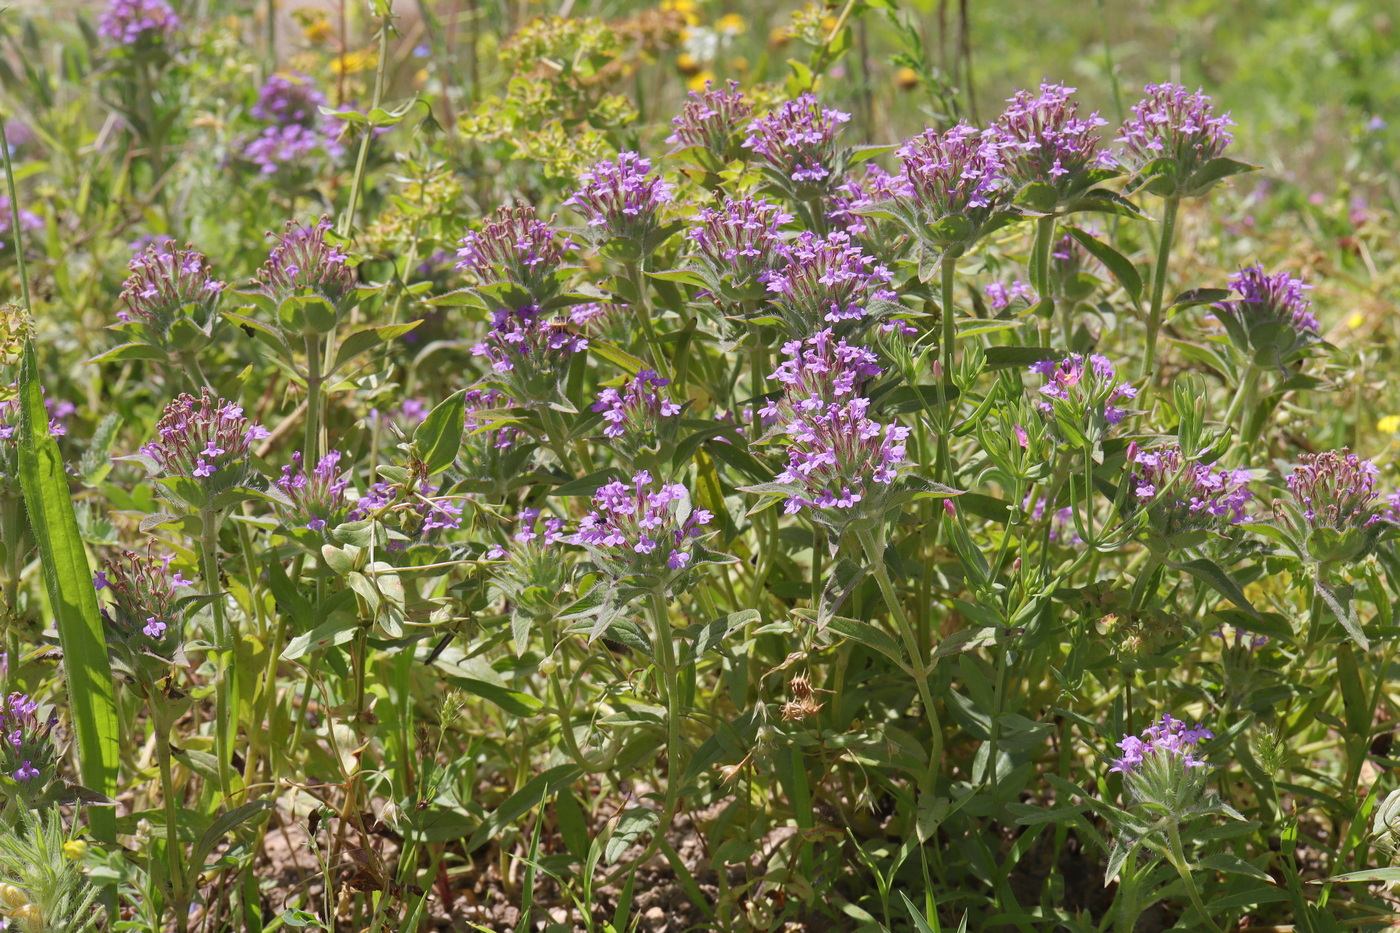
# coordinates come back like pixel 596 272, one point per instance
pixel 137 23
pixel 798 140
pixel 619 198
pixel 840 459
pixel 515 247
pixel 28 220
pixel 710 119
pixel 420 513
pixel 1000 295
pixel 205 439
pixel 860 190
pixel 27 753
pixel 1083 390
pixel 1335 490
pixel 1172 123
pixel 636 407
pixel 165 280
pixel 304 259
pixel 956 173
pixel 820 371
pixel 828 280
pixel 277 147
pixel 318 497
pixel 1043 139
pixel 531 537
pixel 289 98
pixel 1268 299
pixel 739 240
pixel 1168 740
pixel 642 529
pixel 1188 497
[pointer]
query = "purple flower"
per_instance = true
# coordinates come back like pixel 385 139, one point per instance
pixel 289 98
pixel 185 433
pixel 872 186
pixel 166 284
pixel 418 512
pixel 1183 497
pixel 636 408
pixel 798 140
pixel 641 529
pixel 529 353
pixel 515 247
pixel 709 119
pixel 828 281
pixel 620 199
pixel 304 260
pixel 1000 295
pixel 26 750
pixel 279 147
pixel 1043 139
pixel 26 772
pixel 1268 299
pixel 1083 391
pixel 739 242
pixel 138 23
pixel 317 498
pixel 841 462
pixel 28 220
pixel 1335 490
pixel 1165 741
pixel 821 371
pixel 957 173
pixel 1175 125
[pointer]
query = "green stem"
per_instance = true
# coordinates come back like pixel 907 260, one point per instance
pixel 173 853
pixel 347 220
pixel 315 382
pixel 209 566
pixel 16 231
pixel 593 764
pixel 1159 285
pixel 1178 860
pixel 874 556
pixel 947 267
pixel 1243 391
pixel 644 313
pixel 1041 251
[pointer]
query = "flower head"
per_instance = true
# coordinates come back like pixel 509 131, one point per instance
pixel 641 529
pixel 417 510
pixel 28 220
pixel 840 463
pixel 637 408
pixel 865 189
pixel 138 24
pixel 738 243
pixel 1335 490
pixel 820 371
pixel 1168 740
pixel 27 753
pixel 144 615
pixel 278 147
pixel 304 260
pixel 317 498
pixel 515 247
pixel 168 283
pixel 1000 295
pixel 1082 396
pixel 1173 135
pixel 533 575
pixel 529 353
pixel 709 119
pixel 957 174
pixel 1043 139
pixel 289 98
pixel 207 439
pixel 798 141
pixel 1183 497
pixel 828 281
pixel 620 198
pixel 1271 316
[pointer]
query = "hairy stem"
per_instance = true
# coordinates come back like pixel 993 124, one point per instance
pixel 1159 285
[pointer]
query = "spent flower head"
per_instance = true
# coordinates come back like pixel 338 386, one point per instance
pixel 145 617
pixel 797 141
pixel 207 441
pixel 710 119
pixel 642 529
pixel 620 199
pixel 1175 143
pixel 1043 140
pixel 1332 507
pixel 168 284
pixel 139 25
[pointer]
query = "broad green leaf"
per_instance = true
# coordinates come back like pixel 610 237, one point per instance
pixel 440 435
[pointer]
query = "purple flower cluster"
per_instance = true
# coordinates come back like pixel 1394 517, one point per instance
pixel 798 140
pixel 956 173
pixel 1042 139
pixel 1168 740
pixel 277 147
pixel 642 529
pixel 820 372
pixel 296 130
pixel 710 118
pixel 620 198
pixel 1084 390
pixel 1000 295
pixel 28 220
pixel 137 23
pixel 10 415
pixel 420 512
pixel 1172 123
pixel 289 98
pixel 1335 490
pixel 1268 299
pixel 1062 529
pixel 205 439
pixel 143 615
pixel 858 191
pixel 741 239
pixel 523 347
pixel 165 280
pixel 26 752
pixel 1187 496
pixel 317 498
pixel 839 458
pixel 482 429
pixel 636 407
pixel 827 280
pixel 303 259
pixel 530 537
pixel 515 247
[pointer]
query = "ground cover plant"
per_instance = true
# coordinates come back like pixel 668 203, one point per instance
pixel 662 468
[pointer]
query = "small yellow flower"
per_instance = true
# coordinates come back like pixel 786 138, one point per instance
pixel 28 918
pixel 1356 320
pixel 687 65
pixel 698 81
pixel 731 24
pixel 906 78
pixel 740 64
pixel 687 9
pixel 355 62
pixel 1390 424
pixel 828 24
pixel 778 37
pixel 74 849
pixel 12 897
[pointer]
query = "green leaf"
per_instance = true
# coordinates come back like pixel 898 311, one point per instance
pixel 920 924
pixel 68 578
pixel 630 825
pixel 1118 265
pixel 367 339
pixel 540 787
pixel 225 824
pixel 870 636
pixel 438 438
pixel 1218 580
pixel 1387 875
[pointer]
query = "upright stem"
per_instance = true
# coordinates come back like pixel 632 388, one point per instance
pixel 875 558
pixel 347 220
pixel 311 447
pixel 1041 252
pixel 1159 285
pixel 16 231
pixel 947 267
pixel 1178 860
pixel 209 566
pixel 173 854
pixel 644 314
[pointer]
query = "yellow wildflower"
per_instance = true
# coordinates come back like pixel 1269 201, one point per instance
pixel 355 62
pixel 1390 424
pixel 74 849
pixel 687 9
pixel 731 24
pixel 698 81
pixel 906 78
